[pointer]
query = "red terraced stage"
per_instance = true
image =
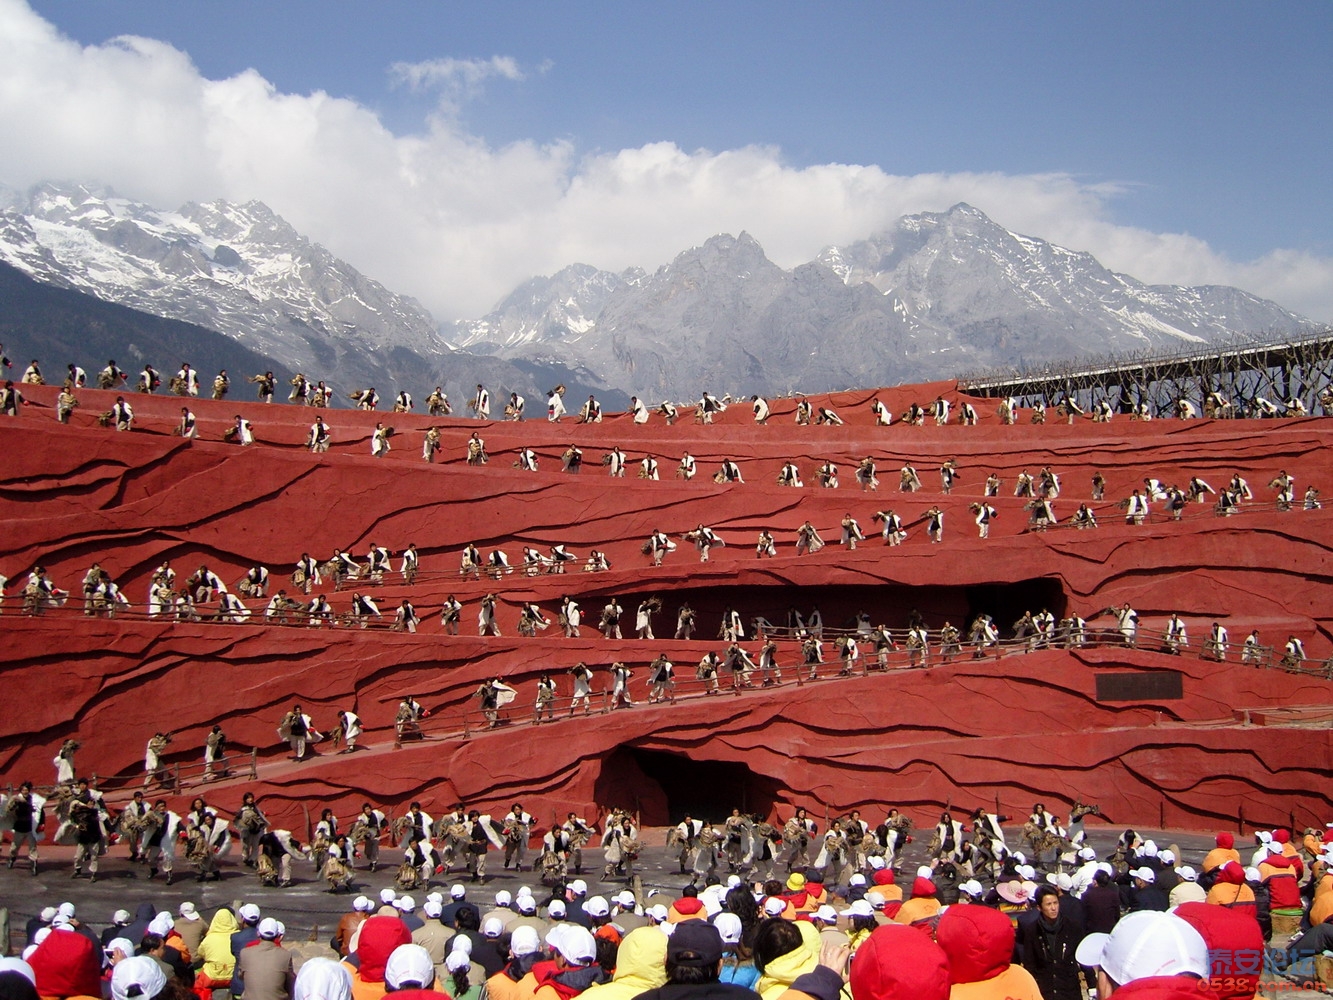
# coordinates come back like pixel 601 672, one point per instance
pixel 1154 739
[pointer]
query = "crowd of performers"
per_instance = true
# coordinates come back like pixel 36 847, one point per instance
pixel 784 911
pixel 421 846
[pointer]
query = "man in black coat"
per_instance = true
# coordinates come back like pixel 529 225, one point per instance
pixel 1146 894
pixel 1101 904
pixel 249 920
pixel 467 924
pixel 694 967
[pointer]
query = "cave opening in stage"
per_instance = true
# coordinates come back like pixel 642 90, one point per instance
pixel 889 604
pixel 662 787
pixel 1006 602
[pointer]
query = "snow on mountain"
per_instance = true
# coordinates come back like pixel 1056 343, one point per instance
pixel 238 269
pixel 936 294
pixel 559 308
pixel 1010 297
pixel 933 295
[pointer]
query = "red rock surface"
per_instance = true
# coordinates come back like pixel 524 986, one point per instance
pixel 1013 730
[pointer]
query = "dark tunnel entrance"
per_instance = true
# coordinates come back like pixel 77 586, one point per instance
pixel 889 604
pixel 662 787
pixel 1006 602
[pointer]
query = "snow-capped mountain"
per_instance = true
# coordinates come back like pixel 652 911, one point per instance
pixel 238 269
pixel 936 294
pixel 1007 296
pixel 559 308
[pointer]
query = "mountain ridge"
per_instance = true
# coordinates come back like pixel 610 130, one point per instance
pixel 930 295
pixel 245 272
pixel 927 297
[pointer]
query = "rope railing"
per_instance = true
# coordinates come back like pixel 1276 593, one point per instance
pixel 297 614
pixel 171 778
pixel 466 722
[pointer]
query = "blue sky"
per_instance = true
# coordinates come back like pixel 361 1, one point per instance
pixel 1147 133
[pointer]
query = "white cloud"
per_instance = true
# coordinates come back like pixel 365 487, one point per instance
pixel 460 78
pixel 446 217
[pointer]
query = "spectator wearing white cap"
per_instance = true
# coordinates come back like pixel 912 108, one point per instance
pixel 826 919
pixel 1167 876
pixel 625 912
pixel 1154 955
pixel 410 973
pixel 137 978
pixel 1262 838
pixel 526 906
pixel 322 979
pixel 387 909
pixel 657 914
pixel 249 916
pixel 856 887
pixel 161 941
pixel 407 912
pixel 877 903
pixel 1146 894
pixel 737 962
pixel 524 952
pixel 1084 873
pixel 1187 890
pixel 190 926
pixel 640 966
pixel 18 967
pixel 43 919
pixel 433 936
pixel 460 972
pixel 119 921
pixel 503 910
pixel 970 891
pixel 598 911
pixel 575 893
pixel 574 951
pixel 861 922
pixel 557 911
pixel 266 966
pixel 457 898
pixel 342 936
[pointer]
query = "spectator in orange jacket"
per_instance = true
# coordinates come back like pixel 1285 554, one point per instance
pixel 1224 851
pixel 1230 888
pixel 979 942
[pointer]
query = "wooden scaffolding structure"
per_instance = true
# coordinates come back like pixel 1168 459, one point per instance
pixel 1246 371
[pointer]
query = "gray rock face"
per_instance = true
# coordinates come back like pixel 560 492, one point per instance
pixel 1012 299
pixel 935 295
pixel 237 269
